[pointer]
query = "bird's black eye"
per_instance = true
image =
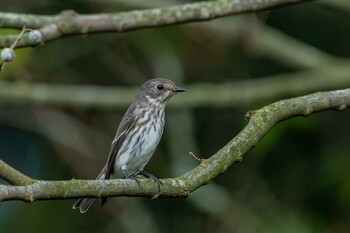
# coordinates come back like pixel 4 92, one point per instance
pixel 160 87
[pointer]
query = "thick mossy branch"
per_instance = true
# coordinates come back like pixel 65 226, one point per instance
pixel 71 23
pixel 260 122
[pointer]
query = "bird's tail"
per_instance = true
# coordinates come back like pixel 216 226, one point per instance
pixel 83 204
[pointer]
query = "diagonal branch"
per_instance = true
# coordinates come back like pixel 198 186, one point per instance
pixel 260 122
pixel 13 176
pixel 71 23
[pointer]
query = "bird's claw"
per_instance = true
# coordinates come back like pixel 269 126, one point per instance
pixel 149 175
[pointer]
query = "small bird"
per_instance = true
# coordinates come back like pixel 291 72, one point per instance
pixel 137 137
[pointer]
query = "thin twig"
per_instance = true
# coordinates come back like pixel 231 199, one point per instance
pixel 195 157
pixel 14 44
pixel 19 37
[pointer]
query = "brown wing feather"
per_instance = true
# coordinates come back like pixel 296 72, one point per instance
pixel 127 123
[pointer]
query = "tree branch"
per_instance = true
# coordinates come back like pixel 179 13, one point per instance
pixel 13 176
pixel 326 77
pixel 260 122
pixel 288 50
pixel 71 23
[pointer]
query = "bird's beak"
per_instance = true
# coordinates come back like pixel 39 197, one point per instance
pixel 179 89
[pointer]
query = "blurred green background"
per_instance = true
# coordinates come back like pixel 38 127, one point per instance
pixel 297 179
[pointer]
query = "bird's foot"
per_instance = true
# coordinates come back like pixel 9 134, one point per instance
pixel 149 175
pixel 126 176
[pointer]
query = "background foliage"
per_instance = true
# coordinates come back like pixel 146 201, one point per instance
pixel 296 180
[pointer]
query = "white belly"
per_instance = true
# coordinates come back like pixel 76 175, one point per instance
pixel 136 157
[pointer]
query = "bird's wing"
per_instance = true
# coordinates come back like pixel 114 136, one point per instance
pixel 128 122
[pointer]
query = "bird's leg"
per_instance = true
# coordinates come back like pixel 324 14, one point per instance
pixel 126 176
pixel 149 175
pixel 125 173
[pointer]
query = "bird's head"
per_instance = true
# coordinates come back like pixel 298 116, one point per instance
pixel 159 90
